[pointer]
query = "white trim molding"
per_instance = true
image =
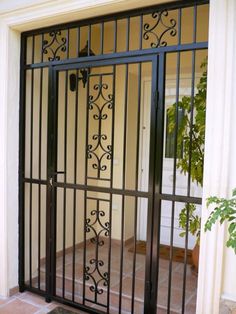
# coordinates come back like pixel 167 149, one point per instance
pixel 218 147
pixel 3 160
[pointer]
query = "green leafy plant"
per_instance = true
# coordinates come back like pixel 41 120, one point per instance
pixel 188 214
pixel 190 132
pixel 224 210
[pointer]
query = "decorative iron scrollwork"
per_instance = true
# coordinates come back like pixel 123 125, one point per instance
pixel 102 150
pixel 95 271
pixel 54 46
pixel 159 25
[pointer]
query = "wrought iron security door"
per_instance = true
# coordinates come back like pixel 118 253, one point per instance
pixel 100 179
pixel 94 157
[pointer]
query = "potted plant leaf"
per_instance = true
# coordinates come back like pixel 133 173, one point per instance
pixel 224 210
pixel 191 136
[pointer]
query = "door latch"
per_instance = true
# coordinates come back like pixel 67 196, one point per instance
pixel 53 174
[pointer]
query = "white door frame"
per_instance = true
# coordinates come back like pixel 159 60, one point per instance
pixel 222 40
pixel 143 174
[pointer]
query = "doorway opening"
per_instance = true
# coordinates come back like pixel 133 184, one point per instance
pixel 101 183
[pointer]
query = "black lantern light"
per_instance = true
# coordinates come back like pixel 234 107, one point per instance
pixel 85 52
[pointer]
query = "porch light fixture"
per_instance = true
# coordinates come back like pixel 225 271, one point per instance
pixel 85 52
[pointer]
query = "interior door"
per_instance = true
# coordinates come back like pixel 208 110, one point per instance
pixel 94 158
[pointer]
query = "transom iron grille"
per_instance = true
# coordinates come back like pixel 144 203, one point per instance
pixel 104 171
pixel 143 29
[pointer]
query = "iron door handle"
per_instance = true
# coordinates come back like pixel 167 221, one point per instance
pixel 54 174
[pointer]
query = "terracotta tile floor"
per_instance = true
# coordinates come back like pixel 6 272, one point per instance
pixel 28 303
pixel 176 286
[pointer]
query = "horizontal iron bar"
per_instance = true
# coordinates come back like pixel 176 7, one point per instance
pixel 107 62
pixel 117 16
pixel 36 181
pixel 180 198
pixel 77 305
pixel 109 59
pixel 97 199
pixel 134 193
pixel 101 189
pixel 117 55
pixel 97 303
pixel 64 301
pixel 166 197
pixel 98 74
pixel 35 290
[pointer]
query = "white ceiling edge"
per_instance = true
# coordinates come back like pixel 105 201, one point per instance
pixel 7 6
pixel 26 16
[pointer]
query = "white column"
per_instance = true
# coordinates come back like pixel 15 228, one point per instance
pixel 9 152
pixel 3 160
pixel 220 144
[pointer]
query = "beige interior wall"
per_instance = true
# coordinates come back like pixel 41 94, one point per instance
pixel 119 120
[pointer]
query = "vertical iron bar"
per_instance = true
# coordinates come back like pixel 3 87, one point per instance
pixel 39 171
pixel 96 250
pixel 141 33
pixel 101 37
pixel 155 178
pixel 179 25
pixel 75 180
pixel 78 42
pixel 123 184
pixel 190 155
pixel 89 39
pixel 64 189
pixel 54 103
pixel 115 36
pixel 174 178
pixel 109 253
pixel 22 167
pixel 121 254
pixel 99 128
pixel 86 183
pixel 136 186
pixel 49 206
pixel 175 163
pixel 127 33
pixel 195 24
pixel 159 159
pixel 31 162
pixel 67 43
pixel 111 185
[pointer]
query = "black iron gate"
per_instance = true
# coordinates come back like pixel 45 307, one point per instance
pixel 99 191
pixel 95 156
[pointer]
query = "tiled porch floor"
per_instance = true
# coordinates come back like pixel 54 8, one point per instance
pixel 28 303
pixel 176 282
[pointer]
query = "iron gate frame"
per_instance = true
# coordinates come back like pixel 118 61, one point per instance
pixel 120 57
pixel 157 80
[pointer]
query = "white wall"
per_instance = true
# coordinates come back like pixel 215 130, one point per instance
pixel 12 160
pixel 217 275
